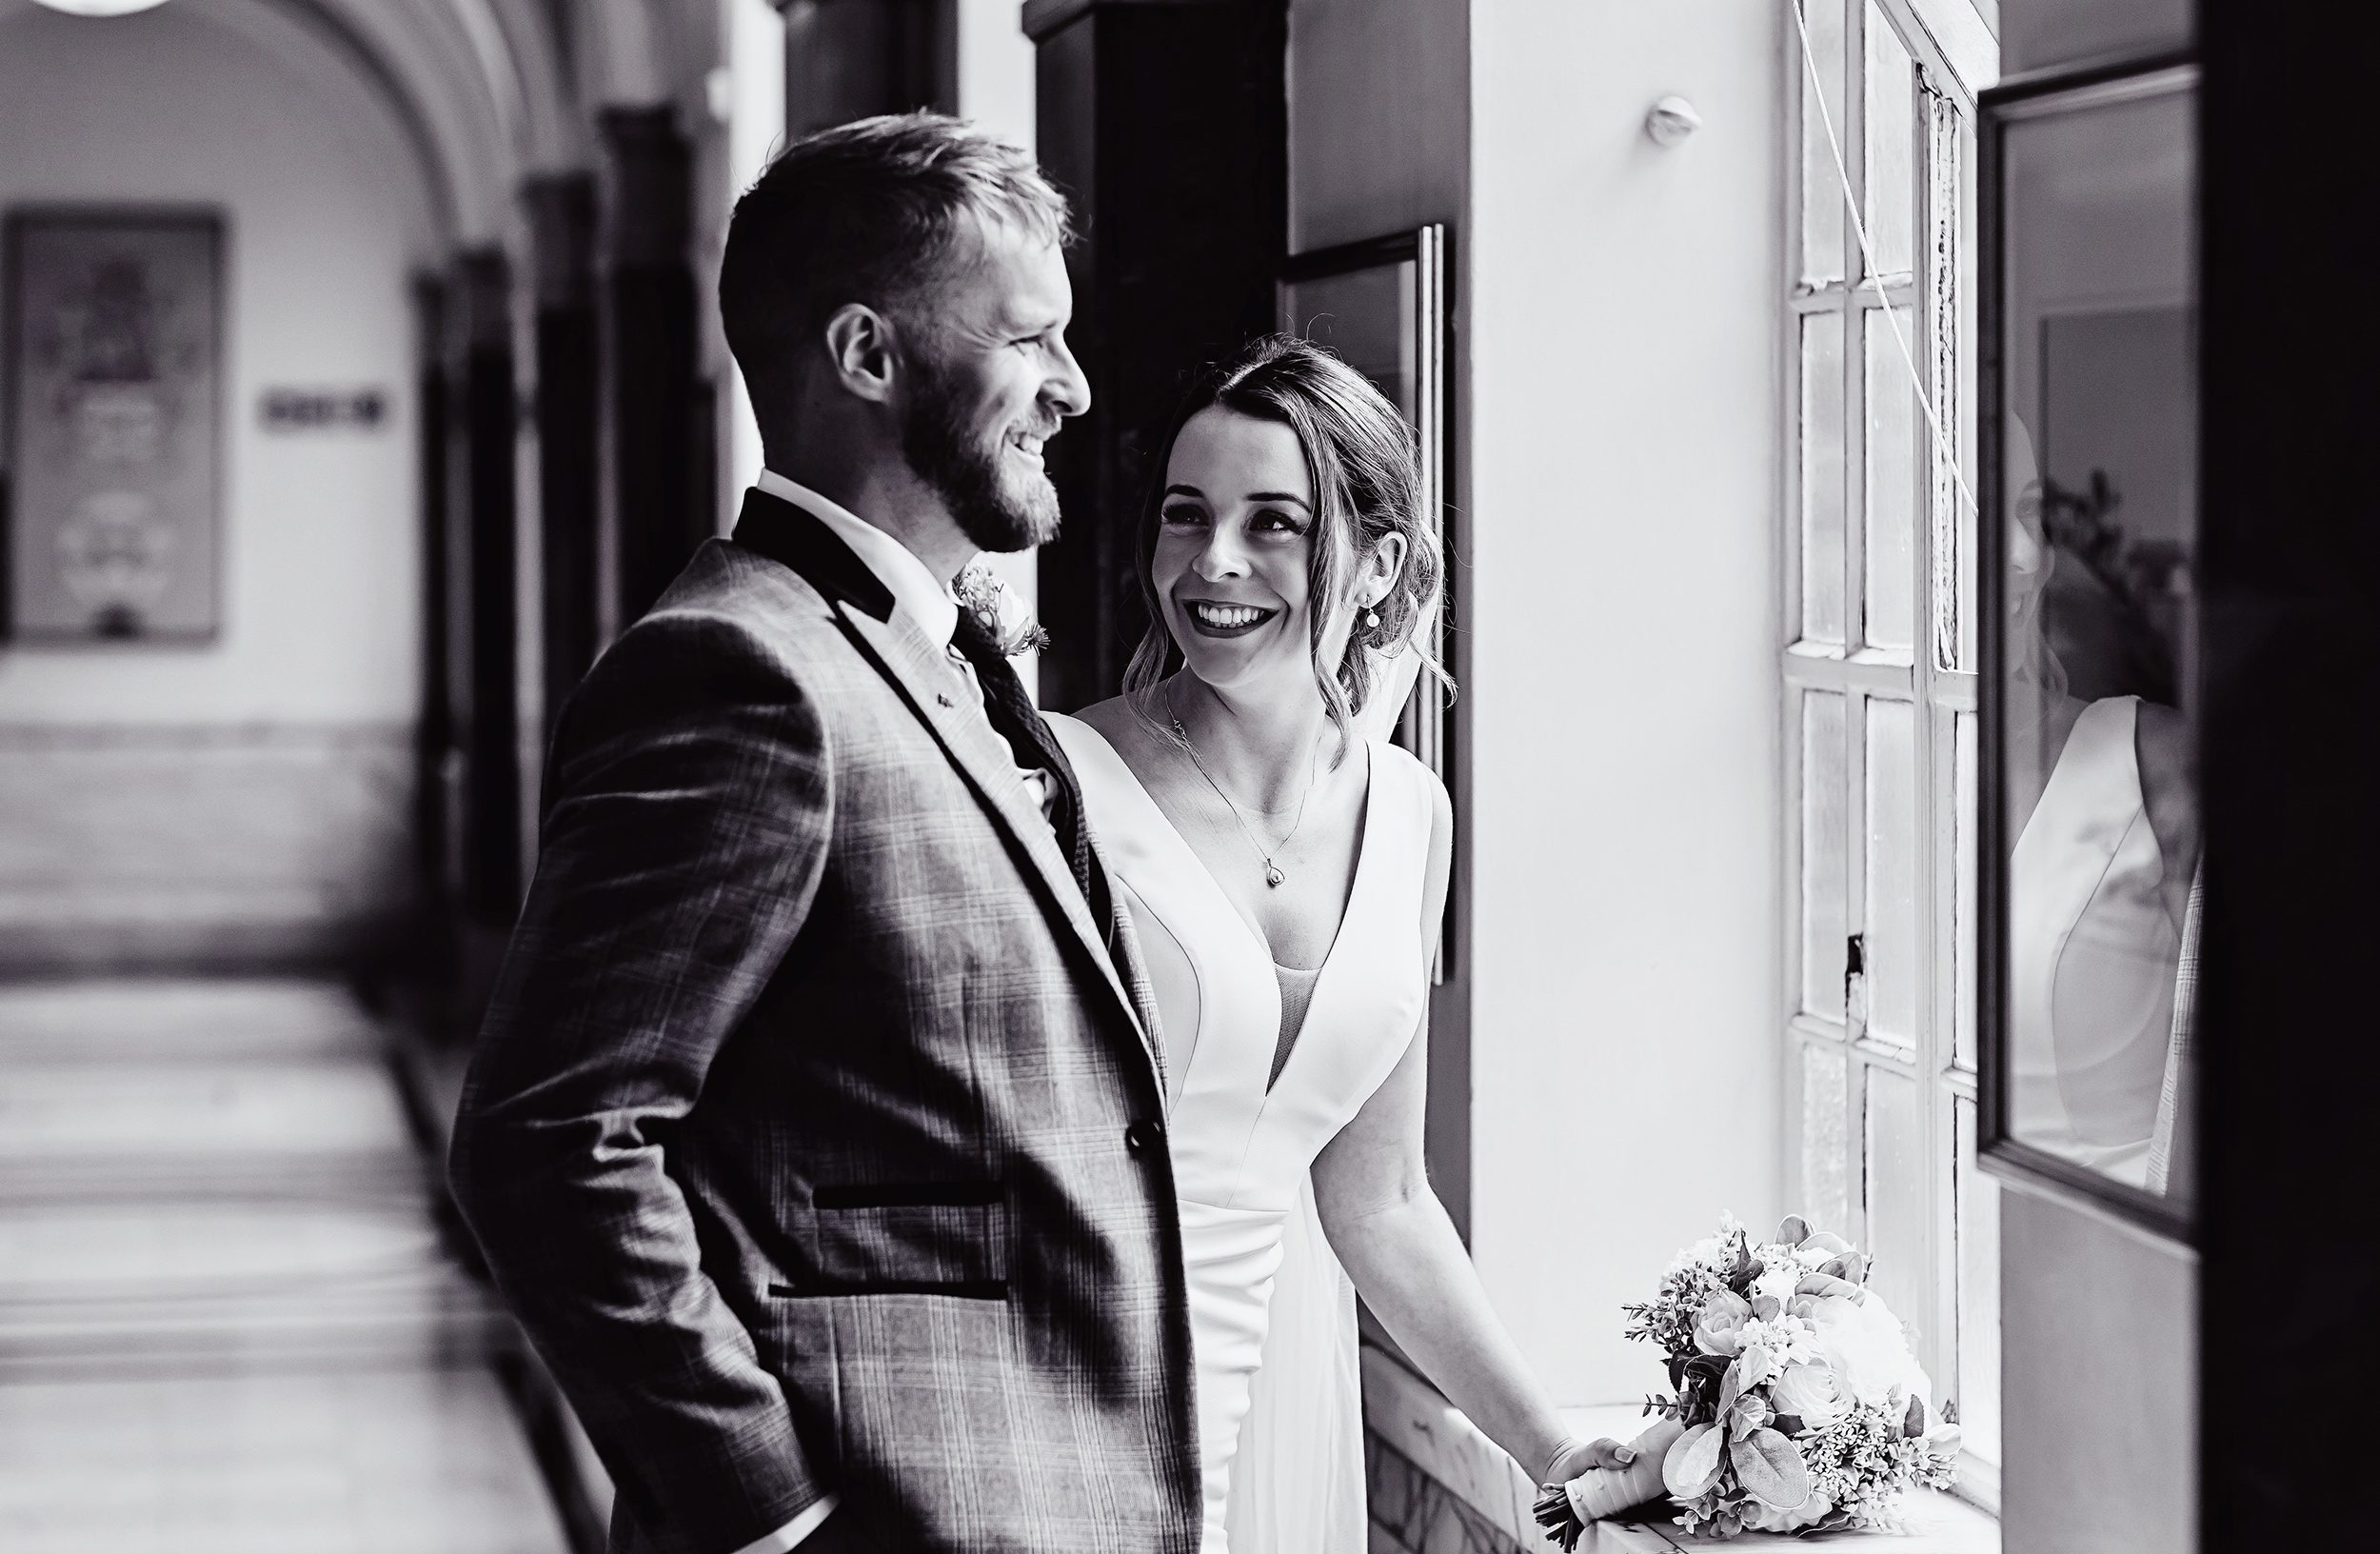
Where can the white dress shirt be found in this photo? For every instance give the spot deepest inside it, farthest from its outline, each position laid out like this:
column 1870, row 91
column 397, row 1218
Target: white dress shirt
column 926, row 600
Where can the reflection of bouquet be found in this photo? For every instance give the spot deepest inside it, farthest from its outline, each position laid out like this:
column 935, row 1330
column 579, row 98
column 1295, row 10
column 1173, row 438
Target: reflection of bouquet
column 1800, row 1408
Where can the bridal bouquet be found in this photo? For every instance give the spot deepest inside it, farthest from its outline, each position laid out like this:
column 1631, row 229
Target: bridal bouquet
column 1798, row 1405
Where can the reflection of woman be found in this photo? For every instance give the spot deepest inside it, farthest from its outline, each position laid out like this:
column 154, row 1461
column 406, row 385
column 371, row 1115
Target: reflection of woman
column 2107, row 838
column 1286, row 875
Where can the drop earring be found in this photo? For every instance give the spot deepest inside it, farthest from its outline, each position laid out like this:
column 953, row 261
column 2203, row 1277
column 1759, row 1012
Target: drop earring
column 1371, row 620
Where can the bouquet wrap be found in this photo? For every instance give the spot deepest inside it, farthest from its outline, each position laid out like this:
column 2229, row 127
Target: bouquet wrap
column 1607, row 1491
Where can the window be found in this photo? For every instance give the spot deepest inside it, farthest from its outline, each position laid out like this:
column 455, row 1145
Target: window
column 1879, row 680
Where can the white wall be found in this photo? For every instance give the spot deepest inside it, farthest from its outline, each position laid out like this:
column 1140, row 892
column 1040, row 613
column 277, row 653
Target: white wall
column 264, row 774
column 321, row 593
column 1623, row 456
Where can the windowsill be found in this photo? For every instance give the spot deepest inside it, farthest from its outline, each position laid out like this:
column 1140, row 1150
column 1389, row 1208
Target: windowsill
column 1412, row 1418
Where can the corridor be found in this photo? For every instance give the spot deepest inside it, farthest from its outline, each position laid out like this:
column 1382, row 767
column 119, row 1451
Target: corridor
column 227, row 1323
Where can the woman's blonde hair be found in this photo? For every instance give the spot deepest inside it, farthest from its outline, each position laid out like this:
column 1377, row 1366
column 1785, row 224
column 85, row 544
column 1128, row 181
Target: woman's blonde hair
column 1359, row 454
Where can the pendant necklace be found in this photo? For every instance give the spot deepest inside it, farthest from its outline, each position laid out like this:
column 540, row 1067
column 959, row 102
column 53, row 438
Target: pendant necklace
column 1273, row 875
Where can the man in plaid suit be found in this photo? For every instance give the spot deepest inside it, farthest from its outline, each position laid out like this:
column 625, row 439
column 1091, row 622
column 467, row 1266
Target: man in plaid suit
column 815, row 1132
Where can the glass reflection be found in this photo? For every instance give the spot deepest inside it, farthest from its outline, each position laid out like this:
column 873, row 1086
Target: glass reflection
column 2098, row 749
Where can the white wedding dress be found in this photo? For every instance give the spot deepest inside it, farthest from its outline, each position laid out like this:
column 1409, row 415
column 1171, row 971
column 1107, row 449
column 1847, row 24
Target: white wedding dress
column 2091, row 955
column 1272, row 1315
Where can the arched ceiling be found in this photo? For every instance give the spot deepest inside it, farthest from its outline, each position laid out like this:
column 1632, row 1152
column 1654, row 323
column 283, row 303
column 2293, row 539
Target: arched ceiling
column 361, row 102
column 459, row 74
column 488, row 93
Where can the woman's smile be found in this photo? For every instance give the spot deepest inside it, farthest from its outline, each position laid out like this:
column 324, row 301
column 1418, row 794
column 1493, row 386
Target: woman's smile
column 1216, row 618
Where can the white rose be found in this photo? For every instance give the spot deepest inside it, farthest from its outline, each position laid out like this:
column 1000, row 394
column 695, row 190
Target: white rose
column 1776, row 1280
column 1863, row 1343
column 1812, row 1393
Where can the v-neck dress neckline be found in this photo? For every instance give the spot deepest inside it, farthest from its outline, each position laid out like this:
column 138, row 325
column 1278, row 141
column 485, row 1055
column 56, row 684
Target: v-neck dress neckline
column 1220, row 1105
column 1243, row 1152
column 1255, row 932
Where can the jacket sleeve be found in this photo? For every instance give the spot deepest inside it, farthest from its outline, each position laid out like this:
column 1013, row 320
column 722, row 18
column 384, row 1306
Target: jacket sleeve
column 687, row 812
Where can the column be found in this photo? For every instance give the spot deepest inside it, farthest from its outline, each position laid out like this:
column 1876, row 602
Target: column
column 561, row 209
column 1166, row 124
column 434, row 735
column 481, row 477
column 852, row 59
column 655, row 435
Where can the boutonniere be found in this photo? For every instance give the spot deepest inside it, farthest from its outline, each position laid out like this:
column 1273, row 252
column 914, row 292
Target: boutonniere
column 997, row 611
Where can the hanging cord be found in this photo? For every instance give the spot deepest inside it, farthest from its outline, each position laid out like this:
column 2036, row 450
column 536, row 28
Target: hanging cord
column 1942, row 444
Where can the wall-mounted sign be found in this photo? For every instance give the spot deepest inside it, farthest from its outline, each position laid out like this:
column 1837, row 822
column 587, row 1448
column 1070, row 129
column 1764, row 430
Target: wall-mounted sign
column 325, row 410
column 112, row 353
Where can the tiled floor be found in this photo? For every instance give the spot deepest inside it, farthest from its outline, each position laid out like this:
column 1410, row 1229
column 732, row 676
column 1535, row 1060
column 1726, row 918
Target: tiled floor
column 227, row 1323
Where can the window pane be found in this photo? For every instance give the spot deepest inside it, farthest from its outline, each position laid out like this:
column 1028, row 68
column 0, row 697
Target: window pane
column 2102, row 332
column 1891, row 480
column 1825, row 1141
column 1891, row 932
column 1821, row 189
column 1978, row 1392
column 1896, row 1196
column 1825, row 849
column 1822, row 478
column 1944, row 296
column 1892, row 134
column 1963, row 901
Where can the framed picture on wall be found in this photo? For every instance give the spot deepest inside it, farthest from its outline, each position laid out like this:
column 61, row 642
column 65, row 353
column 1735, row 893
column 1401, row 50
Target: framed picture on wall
column 1381, row 305
column 112, row 345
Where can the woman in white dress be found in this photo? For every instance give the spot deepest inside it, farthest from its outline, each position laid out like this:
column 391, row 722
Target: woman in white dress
column 1285, row 876
column 2104, row 809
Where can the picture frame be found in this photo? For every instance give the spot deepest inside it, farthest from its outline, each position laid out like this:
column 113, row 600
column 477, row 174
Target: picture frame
column 112, row 343
column 1381, row 305
column 2031, row 333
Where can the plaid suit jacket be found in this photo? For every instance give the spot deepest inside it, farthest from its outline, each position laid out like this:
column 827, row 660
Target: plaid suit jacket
column 813, row 1130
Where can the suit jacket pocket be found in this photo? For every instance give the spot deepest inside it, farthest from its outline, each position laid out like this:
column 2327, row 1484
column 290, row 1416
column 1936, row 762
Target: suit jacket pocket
column 935, row 1237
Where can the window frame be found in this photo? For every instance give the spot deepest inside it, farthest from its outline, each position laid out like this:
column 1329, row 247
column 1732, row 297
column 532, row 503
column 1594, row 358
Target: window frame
column 1936, row 676
column 2044, row 95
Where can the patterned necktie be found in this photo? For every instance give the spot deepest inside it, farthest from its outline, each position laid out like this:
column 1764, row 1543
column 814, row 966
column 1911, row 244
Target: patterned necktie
column 1015, row 719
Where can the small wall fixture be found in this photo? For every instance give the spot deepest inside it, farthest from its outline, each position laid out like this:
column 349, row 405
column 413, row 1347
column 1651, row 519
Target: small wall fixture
column 1671, row 120
column 102, row 8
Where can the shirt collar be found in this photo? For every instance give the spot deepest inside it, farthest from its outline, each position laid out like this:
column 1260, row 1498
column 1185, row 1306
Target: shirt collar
column 925, row 599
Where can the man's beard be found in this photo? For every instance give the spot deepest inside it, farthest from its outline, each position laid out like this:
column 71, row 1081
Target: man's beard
column 994, row 509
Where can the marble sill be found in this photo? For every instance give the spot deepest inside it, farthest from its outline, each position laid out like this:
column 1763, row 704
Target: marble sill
column 1410, row 1417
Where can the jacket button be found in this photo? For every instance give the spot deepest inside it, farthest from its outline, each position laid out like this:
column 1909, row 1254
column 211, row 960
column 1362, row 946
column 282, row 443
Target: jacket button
column 1142, row 1135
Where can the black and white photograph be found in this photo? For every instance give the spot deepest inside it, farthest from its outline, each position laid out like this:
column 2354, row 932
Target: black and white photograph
column 1187, row 776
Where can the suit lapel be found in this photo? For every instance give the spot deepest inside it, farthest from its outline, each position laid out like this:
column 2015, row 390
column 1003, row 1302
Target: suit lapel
column 936, row 691
column 931, row 685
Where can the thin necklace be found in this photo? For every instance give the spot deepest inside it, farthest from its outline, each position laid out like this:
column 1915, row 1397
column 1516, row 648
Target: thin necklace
column 1273, row 875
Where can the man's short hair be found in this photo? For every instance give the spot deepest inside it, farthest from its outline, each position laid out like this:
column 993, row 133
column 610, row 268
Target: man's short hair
column 869, row 212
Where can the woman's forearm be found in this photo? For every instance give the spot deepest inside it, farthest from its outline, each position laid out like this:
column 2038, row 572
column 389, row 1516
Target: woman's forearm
column 1410, row 1270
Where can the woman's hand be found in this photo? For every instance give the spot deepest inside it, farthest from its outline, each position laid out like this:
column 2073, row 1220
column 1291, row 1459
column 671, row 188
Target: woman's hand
column 1602, row 1479
column 1574, row 1457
